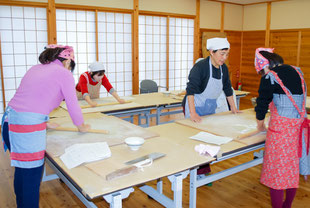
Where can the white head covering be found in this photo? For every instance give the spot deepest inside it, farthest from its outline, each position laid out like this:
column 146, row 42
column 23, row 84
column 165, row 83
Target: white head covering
column 217, row 43
column 96, row 66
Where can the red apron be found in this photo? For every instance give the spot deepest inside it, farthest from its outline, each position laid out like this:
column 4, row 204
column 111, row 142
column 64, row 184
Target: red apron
column 283, row 145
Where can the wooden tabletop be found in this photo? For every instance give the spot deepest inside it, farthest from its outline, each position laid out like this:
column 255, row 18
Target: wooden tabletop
column 239, row 93
column 91, row 177
column 229, row 125
column 308, row 102
column 137, row 101
column 173, row 141
column 118, row 130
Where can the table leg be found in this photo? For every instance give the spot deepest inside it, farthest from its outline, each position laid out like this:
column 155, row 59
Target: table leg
column 115, row 199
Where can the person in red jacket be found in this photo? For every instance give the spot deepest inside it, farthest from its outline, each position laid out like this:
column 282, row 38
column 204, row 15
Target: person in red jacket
column 89, row 84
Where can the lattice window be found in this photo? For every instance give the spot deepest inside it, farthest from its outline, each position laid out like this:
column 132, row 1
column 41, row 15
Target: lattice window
column 23, row 33
column 181, row 51
column 153, row 49
column 115, row 50
column 78, row 29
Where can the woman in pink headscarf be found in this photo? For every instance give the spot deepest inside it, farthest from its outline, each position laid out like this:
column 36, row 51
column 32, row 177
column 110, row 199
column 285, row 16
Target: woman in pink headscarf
column 24, row 122
column 282, row 89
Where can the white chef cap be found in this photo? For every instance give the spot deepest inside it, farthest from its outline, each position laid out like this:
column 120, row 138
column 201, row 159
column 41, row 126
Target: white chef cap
column 217, row 43
column 96, row 66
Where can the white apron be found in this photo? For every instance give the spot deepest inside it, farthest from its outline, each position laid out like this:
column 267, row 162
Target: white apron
column 93, row 90
column 205, row 102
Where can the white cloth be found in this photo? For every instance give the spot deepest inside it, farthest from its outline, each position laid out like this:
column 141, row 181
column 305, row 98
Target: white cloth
column 207, row 150
column 96, row 66
column 78, row 154
column 217, row 43
column 211, row 138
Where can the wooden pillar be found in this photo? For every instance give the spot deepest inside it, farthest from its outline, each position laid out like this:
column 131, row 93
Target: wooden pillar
column 135, row 48
column 197, row 31
column 222, row 16
column 167, row 53
column 51, row 22
column 268, row 19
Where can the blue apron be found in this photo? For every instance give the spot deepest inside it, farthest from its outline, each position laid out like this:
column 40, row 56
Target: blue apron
column 205, row 102
column 27, row 136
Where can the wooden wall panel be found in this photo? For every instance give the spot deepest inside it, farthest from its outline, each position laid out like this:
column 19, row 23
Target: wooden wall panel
column 285, row 44
column 249, row 78
column 200, row 39
column 304, row 61
column 234, row 38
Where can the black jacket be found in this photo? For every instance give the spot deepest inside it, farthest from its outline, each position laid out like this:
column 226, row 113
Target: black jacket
column 199, row 78
column 290, row 79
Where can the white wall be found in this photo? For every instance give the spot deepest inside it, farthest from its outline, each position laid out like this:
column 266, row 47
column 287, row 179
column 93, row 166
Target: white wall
column 255, row 17
column 210, row 15
column 170, row 6
column 233, row 15
column 290, row 14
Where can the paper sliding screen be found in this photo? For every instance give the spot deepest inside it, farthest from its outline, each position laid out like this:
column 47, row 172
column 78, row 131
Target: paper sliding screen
column 23, row 32
column 181, row 51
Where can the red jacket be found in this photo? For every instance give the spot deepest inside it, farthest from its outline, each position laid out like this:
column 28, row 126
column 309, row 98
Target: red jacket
column 82, row 85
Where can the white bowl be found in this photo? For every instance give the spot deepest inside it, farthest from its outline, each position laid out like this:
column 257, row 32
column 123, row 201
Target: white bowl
column 166, row 93
column 134, row 143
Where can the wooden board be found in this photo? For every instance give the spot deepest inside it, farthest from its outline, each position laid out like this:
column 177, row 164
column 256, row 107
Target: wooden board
column 59, row 112
column 141, row 100
column 241, row 93
column 58, row 141
column 174, row 142
column 180, row 134
column 155, row 99
column 308, row 102
column 105, row 105
column 228, row 124
column 91, row 177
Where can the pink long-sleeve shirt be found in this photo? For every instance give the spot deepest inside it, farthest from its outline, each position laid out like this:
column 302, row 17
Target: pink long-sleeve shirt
column 44, row 87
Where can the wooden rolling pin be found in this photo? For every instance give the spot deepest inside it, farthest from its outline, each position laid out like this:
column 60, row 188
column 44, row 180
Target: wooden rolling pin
column 249, row 134
column 98, row 131
column 104, row 104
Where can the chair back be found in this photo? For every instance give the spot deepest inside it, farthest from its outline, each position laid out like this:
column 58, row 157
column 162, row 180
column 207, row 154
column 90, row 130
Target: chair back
column 148, row 86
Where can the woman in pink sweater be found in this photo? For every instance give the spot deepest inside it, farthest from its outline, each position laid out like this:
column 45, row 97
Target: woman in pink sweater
column 24, row 122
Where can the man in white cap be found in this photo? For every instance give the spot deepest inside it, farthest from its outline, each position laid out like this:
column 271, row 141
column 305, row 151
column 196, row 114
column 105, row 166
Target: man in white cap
column 207, row 79
column 89, row 84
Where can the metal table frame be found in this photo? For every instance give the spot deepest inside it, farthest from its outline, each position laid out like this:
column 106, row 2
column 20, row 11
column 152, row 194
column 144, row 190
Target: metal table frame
column 115, row 198
column 194, row 183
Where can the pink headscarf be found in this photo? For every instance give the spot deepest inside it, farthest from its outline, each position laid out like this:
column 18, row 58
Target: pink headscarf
column 68, row 53
column 260, row 61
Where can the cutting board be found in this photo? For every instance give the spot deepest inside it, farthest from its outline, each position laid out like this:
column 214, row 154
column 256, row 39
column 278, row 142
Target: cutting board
column 229, row 125
column 119, row 130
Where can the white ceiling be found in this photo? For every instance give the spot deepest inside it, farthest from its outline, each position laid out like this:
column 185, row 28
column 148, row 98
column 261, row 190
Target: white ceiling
column 244, row 1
